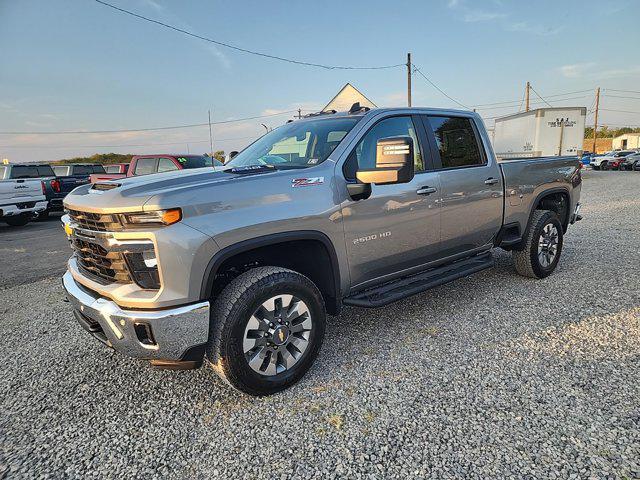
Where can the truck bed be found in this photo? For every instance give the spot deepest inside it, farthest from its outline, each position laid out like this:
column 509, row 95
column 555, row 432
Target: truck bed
column 525, row 179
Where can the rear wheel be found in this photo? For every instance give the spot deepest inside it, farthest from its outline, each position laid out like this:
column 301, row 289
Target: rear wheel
column 542, row 246
column 17, row 220
column 266, row 329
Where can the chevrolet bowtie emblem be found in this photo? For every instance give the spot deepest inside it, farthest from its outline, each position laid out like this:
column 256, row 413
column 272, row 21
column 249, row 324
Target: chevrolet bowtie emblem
column 281, row 335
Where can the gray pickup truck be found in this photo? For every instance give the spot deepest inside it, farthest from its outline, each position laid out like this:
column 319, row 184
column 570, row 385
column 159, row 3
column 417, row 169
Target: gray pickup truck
column 238, row 268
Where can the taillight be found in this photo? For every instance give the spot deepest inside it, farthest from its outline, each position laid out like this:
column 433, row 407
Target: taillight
column 55, row 184
column 44, row 190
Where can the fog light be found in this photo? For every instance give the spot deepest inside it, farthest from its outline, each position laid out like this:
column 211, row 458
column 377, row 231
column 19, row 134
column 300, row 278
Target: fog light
column 143, row 268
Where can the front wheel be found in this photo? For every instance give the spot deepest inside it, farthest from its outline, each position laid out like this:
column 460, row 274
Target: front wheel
column 542, row 246
column 595, row 167
column 17, row 220
column 266, row 329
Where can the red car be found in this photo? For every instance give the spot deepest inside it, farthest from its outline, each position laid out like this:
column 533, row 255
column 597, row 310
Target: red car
column 147, row 164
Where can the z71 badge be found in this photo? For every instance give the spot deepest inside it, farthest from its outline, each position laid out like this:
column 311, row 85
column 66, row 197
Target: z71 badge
column 307, row 182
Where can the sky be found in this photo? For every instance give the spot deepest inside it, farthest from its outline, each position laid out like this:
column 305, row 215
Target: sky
column 77, row 65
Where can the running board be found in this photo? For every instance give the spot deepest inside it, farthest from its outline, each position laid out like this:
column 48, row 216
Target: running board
column 406, row 286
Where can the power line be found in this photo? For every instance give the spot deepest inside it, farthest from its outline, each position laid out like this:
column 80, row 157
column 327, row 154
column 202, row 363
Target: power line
column 621, row 96
column 619, row 111
column 184, row 142
column 174, row 127
column 517, row 101
column 540, row 96
column 244, row 50
column 532, row 103
column 438, row 88
column 623, row 91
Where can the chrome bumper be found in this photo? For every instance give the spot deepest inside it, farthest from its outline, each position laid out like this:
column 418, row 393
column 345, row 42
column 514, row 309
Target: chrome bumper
column 167, row 334
column 13, row 209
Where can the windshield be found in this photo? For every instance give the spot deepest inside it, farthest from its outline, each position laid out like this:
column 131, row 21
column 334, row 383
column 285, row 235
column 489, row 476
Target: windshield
column 197, row 161
column 297, row 144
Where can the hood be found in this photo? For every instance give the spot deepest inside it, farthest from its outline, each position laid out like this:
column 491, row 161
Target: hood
column 132, row 193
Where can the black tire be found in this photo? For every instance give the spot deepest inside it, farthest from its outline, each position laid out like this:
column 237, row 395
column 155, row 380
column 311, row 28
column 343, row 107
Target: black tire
column 526, row 260
column 595, row 167
column 44, row 215
column 17, row 220
column 603, row 166
column 231, row 312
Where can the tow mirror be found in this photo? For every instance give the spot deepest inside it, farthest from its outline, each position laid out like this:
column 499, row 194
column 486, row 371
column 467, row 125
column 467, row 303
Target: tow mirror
column 394, row 162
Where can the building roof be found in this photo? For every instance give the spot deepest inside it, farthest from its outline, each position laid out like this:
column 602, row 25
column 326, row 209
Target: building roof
column 346, row 97
column 637, row 134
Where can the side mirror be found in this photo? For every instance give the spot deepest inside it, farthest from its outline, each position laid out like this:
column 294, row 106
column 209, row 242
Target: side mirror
column 232, row 154
column 394, row 162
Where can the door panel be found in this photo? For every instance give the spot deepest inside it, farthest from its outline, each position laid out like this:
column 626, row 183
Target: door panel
column 471, row 204
column 471, row 210
column 396, row 227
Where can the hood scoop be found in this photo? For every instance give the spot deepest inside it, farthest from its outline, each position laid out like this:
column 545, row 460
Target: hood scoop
column 104, row 186
column 250, row 169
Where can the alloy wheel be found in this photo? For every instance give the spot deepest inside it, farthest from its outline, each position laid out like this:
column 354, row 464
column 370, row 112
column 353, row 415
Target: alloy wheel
column 548, row 245
column 277, row 334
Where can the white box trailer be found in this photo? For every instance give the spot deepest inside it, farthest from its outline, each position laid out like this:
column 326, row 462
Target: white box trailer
column 540, row 133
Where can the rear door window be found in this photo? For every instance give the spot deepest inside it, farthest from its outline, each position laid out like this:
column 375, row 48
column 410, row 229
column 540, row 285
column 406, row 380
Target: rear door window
column 456, row 141
column 145, row 166
column 166, row 165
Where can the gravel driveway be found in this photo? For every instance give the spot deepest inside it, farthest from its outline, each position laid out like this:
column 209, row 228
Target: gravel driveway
column 491, row 376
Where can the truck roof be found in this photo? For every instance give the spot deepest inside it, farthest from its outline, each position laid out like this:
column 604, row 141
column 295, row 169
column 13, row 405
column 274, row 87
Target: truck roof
column 375, row 111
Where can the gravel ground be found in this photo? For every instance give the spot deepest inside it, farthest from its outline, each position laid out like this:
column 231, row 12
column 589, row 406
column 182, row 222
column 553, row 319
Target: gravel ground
column 493, row 376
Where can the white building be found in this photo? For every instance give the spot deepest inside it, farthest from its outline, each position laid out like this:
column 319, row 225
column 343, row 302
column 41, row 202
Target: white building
column 626, row 141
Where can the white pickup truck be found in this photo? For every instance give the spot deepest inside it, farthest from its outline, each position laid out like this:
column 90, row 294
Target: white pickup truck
column 21, row 200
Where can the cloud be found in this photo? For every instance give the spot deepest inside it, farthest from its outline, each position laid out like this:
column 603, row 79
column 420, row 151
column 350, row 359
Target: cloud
column 163, row 14
column 575, row 70
column 469, row 14
column 540, row 30
column 590, row 70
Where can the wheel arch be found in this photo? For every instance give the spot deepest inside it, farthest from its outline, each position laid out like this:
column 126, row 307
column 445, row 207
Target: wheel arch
column 308, row 252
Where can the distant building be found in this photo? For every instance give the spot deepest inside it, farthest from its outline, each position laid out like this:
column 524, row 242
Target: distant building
column 626, row 141
column 346, row 97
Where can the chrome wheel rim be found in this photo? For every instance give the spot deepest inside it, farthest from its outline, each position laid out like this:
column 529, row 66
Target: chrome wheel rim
column 548, row 245
column 277, row 335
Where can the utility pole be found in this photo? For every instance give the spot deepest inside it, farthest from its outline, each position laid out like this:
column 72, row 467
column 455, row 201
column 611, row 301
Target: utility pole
column 210, row 135
column 408, row 79
column 299, row 114
column 526, row 97
column 595, row 120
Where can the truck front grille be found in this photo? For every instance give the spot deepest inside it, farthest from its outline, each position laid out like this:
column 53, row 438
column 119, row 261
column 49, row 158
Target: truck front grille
column 97, row 263
column 96, row 222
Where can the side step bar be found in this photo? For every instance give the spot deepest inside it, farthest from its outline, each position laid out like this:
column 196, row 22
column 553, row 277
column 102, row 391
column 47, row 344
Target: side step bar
column 406, row 286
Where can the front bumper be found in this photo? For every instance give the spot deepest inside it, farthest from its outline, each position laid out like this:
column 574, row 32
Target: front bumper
column 19, row 209
column 173, row 334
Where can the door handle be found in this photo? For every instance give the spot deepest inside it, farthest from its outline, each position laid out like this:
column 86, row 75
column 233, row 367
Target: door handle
column 491, row 181
column 426, row 190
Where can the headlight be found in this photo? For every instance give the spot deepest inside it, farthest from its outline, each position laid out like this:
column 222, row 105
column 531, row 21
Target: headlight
column 156, row 217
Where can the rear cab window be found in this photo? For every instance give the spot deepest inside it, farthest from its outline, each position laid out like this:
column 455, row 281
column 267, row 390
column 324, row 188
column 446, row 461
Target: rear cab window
column 145, row 166
column 45, row 171
column 24, row 171
column 82, row 170
column 3, row 171
column 61, row 171
column 456, row 141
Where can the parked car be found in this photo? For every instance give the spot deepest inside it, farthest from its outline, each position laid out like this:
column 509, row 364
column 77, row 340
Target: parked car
column 55, row 189
column 636, row 166
column 611, row 160
column 629, row 161
column 238, row 267
column 147, row 164
column 20, row 199
column 586, row 158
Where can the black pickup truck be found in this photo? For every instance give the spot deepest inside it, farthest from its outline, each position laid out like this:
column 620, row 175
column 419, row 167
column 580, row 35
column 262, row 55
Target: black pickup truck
column 57, row 186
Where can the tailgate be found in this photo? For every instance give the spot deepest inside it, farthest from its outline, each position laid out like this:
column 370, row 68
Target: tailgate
column 69, row 183
column 13, row 190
